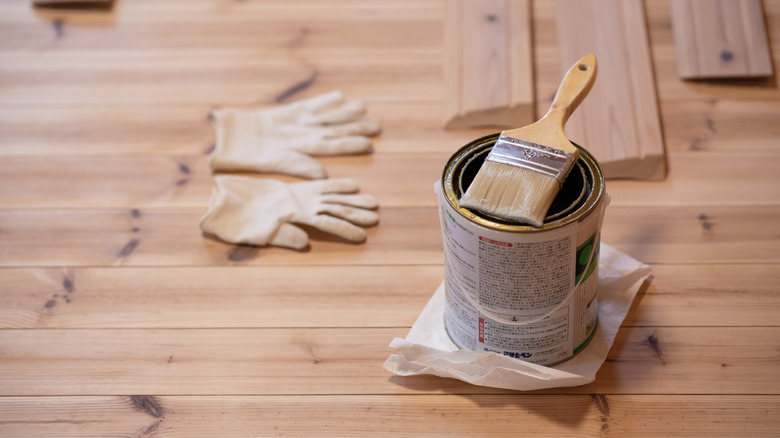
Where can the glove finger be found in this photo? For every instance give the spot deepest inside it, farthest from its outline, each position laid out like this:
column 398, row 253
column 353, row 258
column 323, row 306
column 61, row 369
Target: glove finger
column 360, row 201
column 290, row 236
column 337, row 227
column 286, row 161
column 336, row 185
column 294, row 163
column 357, row 216
column 336, row 146
column 347, row 112
column 364, row 126
column 321, row 102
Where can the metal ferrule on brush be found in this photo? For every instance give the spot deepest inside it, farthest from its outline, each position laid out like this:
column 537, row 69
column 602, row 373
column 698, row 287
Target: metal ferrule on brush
column 538, row 158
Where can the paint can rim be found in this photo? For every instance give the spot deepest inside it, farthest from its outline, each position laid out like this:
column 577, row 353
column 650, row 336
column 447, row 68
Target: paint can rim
column 593, row 190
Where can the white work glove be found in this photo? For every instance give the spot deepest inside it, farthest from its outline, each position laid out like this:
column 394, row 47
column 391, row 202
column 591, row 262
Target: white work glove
column 282, row 139
column 261, row 211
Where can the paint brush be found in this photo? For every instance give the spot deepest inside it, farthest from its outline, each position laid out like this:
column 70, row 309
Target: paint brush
column 527, row 166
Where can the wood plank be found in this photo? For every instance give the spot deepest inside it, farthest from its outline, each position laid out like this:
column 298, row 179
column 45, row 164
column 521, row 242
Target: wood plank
column 339, row 296
column 59, row 182
column 156, row 5
column 87, row 4
column 708, row 295
column 186, row 181
column 220, row 79
column 324, row 29
column 47, row 130
column 282, row 296
column 659, row 14
column 547, row 68
column 665, row 62
column 737, row 126
column 717, row 125
column 707, row 179
column 619, row 120
column 716, row 39
column 671, row 235
column 408, row 128
column 643, row 360
column 397, row 180
column 111, row 290
column 361, row 416
column 546, row 65
column 173, row 238
column 669, row 87
column 488, row 64
column 404, row 236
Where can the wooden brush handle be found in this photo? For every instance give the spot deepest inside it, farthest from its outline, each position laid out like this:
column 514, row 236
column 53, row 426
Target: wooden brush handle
column 573, row 89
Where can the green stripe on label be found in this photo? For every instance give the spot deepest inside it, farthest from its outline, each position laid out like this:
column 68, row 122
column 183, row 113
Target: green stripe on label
column 586, row 341
column 587, row 252
column 451, row 218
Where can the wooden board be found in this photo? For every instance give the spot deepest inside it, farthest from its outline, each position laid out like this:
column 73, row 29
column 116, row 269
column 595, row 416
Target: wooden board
column 119, row 318
column 185, row 181
column 184, row 130
column 681, row 295
column 98, row 4
column 293, row 361
column 170, row 237
column 398, row 415
column 720, row 38
column 699, row 125
column 618, row 121
column 488, row 64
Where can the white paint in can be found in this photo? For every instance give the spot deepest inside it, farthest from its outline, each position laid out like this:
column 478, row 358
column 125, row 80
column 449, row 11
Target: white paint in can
column 520, row 291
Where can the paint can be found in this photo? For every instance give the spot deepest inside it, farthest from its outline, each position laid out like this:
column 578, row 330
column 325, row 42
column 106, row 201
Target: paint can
column 516, row 290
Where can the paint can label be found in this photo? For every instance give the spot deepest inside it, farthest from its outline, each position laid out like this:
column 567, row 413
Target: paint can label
column 530, row 296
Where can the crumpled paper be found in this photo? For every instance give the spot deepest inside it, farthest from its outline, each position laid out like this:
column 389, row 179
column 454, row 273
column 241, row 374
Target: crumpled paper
column 427, row 349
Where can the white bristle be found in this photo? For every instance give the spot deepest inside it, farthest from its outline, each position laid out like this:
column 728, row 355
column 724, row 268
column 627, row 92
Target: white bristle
column 511, row 193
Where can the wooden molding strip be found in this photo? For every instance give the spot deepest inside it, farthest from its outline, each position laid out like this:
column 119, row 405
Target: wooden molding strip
column 720, row 38
column 488, row 64
column 619, row 121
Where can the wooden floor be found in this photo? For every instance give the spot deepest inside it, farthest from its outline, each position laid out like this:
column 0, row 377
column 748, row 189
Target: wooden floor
column 119, row 318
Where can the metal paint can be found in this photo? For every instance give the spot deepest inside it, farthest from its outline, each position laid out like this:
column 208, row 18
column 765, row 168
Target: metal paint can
column 516, row 290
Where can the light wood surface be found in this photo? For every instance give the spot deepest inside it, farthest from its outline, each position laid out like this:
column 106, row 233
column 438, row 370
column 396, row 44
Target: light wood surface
column 488, row 64
column 720, row 39
column 619, row 121
column 119, row 318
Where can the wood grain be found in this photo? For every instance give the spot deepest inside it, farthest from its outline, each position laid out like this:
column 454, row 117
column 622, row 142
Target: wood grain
column 670, row 88
column 685, row 295
column 643, row 360
column 666, row 235
column 716, row 39
column 619, row 121
column 221, row 25
column 359, row 416
column 224, row 80
column 736, row 126
column 396, row 180
column 119, row 318
column 488, row 64
column 173, row 238
column 282, row 296
column 408, row 128
column 708, row 295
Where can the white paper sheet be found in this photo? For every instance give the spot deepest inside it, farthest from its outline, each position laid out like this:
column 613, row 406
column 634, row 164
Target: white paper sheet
column 427, row 349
